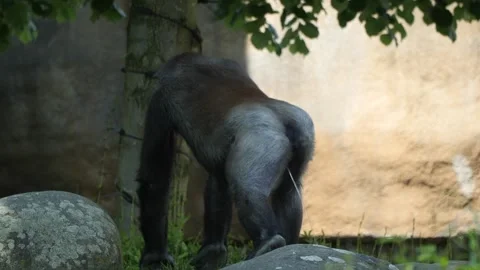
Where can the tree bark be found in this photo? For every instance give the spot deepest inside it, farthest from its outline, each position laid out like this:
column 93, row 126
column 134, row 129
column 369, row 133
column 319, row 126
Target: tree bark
column 157, row 30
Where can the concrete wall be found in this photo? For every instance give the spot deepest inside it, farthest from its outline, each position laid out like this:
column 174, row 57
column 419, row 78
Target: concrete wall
column 398, row 140
column 57, row 102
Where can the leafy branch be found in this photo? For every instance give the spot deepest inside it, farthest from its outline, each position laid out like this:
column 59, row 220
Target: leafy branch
column 384, row 19
column 17, row 17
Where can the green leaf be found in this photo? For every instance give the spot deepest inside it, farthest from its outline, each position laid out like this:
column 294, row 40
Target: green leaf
column 101, row 5
column 260, row 39
column 309, row 30
column 65, row 12
column 459, row 12
column 222, row 9
column 426, row 253
column 292, row 48
column 288, row 37
column 283, row 17
column 386, row 4
column 474, row 9
column 407, row 12
column 340, row 5
column 345, row 16
column 386, row 39
column 357, row 5
column 317, row 6
column 270, row 47
column 300, row 13
column 369, row 10
column 236, row 19
column 408, row 6
column 374, row 26
column 275, row 47
column 290, row 3
column 254, row 26
column 408, row 17
column 17, row 16
column 42, row 8
column 29, row 34
column 259, row 11
column 400, row 29
column 443, row 261
column 300, row 46
column 278, row 49
column 424, row 5
column 114, row 13
column 449, row 31
column 441, row 16
column 427, row 19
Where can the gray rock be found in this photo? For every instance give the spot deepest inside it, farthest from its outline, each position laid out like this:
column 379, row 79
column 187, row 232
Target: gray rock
column 306, row 257
column 434, row 266
column 56, row 230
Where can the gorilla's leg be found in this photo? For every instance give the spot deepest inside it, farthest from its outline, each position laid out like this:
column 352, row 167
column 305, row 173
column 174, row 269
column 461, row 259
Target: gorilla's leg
column 287, row 205
column 255, row 163
column 217, row 219
column 287, row 199
column 153, row 190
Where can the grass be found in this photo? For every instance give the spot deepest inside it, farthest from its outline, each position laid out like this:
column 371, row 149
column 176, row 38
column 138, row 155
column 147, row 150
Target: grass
column 397, row 250
column 181, row 250
column 394, row 249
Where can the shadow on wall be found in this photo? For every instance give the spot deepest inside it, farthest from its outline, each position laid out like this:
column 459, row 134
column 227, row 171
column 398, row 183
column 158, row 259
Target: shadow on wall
column 57, row 102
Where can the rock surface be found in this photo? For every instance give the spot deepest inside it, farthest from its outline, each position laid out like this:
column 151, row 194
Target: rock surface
column 56, row 230
column 310, row 257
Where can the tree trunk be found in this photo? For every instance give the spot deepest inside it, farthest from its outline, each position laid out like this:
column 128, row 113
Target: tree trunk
column 157, row 31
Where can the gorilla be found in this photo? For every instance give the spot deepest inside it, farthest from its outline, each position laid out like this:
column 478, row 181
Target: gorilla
column 255, row 149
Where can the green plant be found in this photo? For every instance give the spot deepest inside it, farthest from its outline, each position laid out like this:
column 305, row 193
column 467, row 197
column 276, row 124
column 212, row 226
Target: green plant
column 18, row 17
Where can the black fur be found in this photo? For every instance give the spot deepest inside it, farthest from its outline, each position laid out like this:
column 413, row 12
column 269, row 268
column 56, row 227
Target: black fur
column 244, row 139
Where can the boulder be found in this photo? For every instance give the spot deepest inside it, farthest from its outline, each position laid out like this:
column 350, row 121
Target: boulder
column 56, row 230
column 309, row 257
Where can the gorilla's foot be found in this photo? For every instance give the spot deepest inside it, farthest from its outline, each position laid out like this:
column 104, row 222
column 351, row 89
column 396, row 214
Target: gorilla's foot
column 210, row 257
column 275, row 242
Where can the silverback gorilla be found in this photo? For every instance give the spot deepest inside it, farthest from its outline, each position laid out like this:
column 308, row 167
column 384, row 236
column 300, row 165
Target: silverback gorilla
column 255, row 149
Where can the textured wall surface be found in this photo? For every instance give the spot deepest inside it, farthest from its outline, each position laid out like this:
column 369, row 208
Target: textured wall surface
column 398, row 140
column 57, row 101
